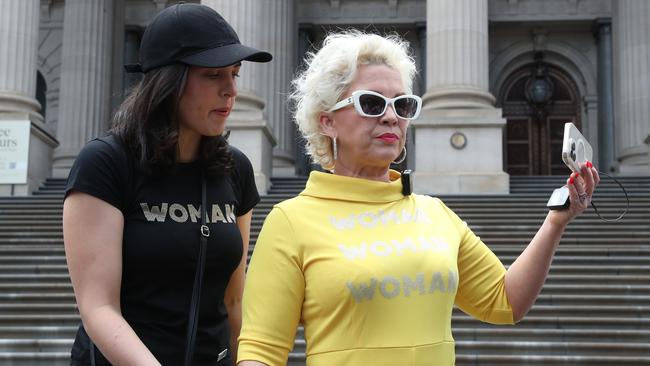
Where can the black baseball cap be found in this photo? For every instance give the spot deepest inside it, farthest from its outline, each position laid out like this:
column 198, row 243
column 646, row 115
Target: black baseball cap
column 192, row 34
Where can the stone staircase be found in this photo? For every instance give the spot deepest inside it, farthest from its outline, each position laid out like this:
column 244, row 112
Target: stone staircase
column 593, row 310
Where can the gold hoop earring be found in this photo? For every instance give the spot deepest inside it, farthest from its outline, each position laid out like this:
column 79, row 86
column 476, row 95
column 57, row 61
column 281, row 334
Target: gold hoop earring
column 403, row 156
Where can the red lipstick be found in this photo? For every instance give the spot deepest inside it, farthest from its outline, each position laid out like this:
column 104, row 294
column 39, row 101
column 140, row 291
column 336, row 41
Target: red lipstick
column 388, row 137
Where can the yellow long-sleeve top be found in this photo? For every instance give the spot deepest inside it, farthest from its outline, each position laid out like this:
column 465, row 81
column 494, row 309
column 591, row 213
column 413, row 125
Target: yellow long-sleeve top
column 372, row 274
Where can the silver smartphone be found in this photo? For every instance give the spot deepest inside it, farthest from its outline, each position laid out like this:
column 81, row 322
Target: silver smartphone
column 576, row 150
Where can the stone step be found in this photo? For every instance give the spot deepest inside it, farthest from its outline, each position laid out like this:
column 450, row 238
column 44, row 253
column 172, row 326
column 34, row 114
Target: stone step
column 553, row 348
column 562, row 262
column 506, row 213
column 51, row 195
column 593, row 311
column 548, row 311
column 41, row 332
column 298, row 359
column 47, row 240
column 544, row 360
column 604, row 289
column 30, row 199
column 590, row 299
column 34, row 260
column 71, row 319
column 40, row 287
column 57, row 235
column 34, row 268
column 34, row 278
column 33, row 219
column 536, row 220
column 544, row 299
column 23, row 298
column 533, row 196
column 36, row 345
column 487, row 210
column 507, row 334
column 570, row 279
column 15, row 226
column 15, row 223
column 47, row 309
column 8, row 206
column 33, row 224
column 556, row 321
column 36, row 250
column 35, row 358
column 583, row 235
column 544, row 348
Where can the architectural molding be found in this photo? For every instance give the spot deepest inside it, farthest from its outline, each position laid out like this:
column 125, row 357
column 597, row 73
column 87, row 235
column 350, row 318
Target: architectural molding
column 46, row 7
column 560, row 54
column 548, row 10
column 361, row 12
column 160, row 4
column 540, row 38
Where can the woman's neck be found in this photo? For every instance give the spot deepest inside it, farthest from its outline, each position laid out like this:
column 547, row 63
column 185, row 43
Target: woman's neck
column 188, row 145
column 367, row 172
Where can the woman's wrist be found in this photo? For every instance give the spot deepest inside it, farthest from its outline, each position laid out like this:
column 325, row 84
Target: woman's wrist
column 556, row 220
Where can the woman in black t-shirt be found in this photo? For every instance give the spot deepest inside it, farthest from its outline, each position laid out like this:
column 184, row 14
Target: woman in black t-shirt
column 133, row 206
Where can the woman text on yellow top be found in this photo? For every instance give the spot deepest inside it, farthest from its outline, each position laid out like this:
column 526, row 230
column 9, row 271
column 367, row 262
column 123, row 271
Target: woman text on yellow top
column 373, row 274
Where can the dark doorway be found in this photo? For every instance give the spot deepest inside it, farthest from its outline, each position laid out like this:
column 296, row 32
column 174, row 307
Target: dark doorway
column 536, row 101
column 41, row 93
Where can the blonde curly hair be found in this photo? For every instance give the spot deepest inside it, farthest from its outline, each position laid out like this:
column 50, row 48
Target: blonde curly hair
column 328, row 73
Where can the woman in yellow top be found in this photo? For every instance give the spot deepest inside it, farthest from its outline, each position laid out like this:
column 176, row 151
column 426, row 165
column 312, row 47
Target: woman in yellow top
column 373, row 274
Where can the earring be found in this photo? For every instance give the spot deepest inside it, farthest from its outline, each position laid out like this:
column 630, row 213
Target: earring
column 334, row 149
column 403, row 156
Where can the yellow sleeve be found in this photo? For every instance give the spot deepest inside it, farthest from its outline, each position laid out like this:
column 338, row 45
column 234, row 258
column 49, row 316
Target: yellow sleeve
column 273, row 294
column 481, row 288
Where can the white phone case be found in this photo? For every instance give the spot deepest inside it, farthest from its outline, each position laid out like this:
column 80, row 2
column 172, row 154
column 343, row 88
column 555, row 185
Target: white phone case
column 575, row 148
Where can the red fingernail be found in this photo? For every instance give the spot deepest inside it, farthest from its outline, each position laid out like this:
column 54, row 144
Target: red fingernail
column 589, row 164
column 577, row 174
column 571, row 180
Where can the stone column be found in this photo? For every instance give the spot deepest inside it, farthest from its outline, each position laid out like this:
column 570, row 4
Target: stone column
column 252, row 128
column 85, row 95
column 117, row 62
column 458, row 106
column 632, row 99
column 303, row 165
column 605, row 152
column 282, row 42
column 19, row 25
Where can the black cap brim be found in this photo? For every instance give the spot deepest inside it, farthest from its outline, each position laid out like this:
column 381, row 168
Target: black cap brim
column 226, row 55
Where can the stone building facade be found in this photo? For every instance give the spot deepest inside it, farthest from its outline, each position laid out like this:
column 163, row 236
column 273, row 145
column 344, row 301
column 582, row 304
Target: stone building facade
column 499, row 78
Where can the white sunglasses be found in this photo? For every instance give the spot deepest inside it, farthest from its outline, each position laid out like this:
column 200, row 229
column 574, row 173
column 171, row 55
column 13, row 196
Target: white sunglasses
column 371, row 104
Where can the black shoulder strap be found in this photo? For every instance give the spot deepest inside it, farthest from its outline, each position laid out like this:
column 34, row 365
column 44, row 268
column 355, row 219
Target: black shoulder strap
column 193, row 321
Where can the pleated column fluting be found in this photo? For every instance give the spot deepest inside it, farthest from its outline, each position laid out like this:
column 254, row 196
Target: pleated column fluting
column 632, row 83
column 85, row 77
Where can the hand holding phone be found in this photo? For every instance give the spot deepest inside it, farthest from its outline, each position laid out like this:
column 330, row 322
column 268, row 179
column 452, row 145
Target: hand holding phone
column 576, row 150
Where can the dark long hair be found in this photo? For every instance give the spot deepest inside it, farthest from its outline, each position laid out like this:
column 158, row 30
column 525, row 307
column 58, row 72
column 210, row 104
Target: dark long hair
column 147, row 123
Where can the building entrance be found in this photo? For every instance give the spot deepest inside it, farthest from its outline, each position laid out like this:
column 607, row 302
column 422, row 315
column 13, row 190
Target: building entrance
column 536, row 101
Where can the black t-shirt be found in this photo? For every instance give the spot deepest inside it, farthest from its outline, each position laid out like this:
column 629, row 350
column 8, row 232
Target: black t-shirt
column 160, row 246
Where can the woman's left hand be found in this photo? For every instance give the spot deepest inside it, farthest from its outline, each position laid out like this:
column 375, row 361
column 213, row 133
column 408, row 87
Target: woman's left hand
column 581, row 188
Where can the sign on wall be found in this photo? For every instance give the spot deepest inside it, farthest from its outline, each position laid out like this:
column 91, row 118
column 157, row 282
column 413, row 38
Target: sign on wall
column 14, row 151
